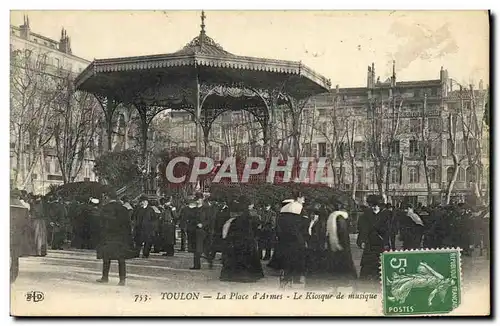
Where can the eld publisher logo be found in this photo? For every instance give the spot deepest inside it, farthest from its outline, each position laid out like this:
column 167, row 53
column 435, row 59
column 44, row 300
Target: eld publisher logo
column 34, row 296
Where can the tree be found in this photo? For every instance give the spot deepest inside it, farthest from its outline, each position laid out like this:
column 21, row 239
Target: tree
column 32, row 95
column 425, row 136
column 118, row 168
column 452, row 147
column 334, row 131
column 473, row 135
column 75, row 126
column 351, row 126
column 382, row 134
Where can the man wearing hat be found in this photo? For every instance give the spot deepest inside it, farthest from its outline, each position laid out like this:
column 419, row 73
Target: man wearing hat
column 373, row 237
column 197, row 229
column 145, row 218
column 115, row 241
column 267, row 232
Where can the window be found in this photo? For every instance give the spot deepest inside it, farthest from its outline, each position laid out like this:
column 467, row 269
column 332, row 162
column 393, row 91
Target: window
column 56, row 62
column 459, row 147
column 470, row 174
column 48, row 165
column 57, row 167
column 413, row 175
column 395, row 176
column 359, row 175
column 371, row 177
column 359, row 149
column 360, row 128
column 341, row 150
column 415, row 125
column 433, row 175
column 322, row 149
column 307, row 149
column 434, row 124
column 461, row 175
column 35, row 40
column 434, row 148
column 338, row 176
column 414, row 147
column 217, row 152
column 434, row 91
column 323, row 128
column 395, row 148
column 449, row 174
column 224, row 151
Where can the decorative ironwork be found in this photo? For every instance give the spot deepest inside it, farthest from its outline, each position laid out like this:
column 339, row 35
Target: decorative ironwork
column 203, row 39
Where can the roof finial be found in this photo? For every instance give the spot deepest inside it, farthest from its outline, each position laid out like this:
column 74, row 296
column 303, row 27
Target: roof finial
column 202, row 22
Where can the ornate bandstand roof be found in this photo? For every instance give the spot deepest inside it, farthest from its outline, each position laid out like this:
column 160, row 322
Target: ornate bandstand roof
column 153, row 78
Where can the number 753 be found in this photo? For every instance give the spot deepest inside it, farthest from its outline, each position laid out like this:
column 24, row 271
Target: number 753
column 142, row 298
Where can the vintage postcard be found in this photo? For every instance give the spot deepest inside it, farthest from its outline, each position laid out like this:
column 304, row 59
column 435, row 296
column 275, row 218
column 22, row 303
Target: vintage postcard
column 249, row 163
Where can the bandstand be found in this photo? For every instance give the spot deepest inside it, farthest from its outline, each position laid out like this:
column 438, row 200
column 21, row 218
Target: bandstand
column 205, row 80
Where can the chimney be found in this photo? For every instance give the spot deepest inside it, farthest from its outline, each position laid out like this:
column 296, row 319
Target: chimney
column 25, row 28
column 481, row 86
column 373, row 73
column 443, row 76
column 64, row 42
column 393, row 78
column 369, row 78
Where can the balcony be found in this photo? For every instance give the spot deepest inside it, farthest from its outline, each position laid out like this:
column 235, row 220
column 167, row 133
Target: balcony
column 53, row 177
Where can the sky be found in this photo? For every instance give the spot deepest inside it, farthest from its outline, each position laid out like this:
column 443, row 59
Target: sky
column 337, row 44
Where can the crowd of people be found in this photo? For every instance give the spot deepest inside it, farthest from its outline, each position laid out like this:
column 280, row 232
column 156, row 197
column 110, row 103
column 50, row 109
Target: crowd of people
column 303, row 240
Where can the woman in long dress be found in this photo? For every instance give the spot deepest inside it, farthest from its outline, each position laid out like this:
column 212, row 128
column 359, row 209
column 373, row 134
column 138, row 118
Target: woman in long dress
column 241, row 261
column 39, row 214
column 339, row 247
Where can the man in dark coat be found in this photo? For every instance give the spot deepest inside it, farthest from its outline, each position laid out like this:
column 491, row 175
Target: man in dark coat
column 373, row 237
column 241, row 261
column 393, row 225
column 115, row 238
column 145, row 218
column 198, row 226
column 21, row 234
column 267, row 232
column 167, row 226
column 182, row 219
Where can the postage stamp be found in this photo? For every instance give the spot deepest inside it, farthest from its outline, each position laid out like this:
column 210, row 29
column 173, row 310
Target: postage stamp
column 421, row 282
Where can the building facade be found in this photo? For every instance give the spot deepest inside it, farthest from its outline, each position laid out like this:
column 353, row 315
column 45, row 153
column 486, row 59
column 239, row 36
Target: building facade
column 391, row 124
column 405, row 125
column 43, row 56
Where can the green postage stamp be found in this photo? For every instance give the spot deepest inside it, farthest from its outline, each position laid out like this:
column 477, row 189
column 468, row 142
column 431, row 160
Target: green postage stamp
column 421, row 282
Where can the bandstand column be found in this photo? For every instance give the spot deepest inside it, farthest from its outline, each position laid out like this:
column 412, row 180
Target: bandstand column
column 198, row 115
column 206, row 133
column 108, row 105
column 142, row 109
